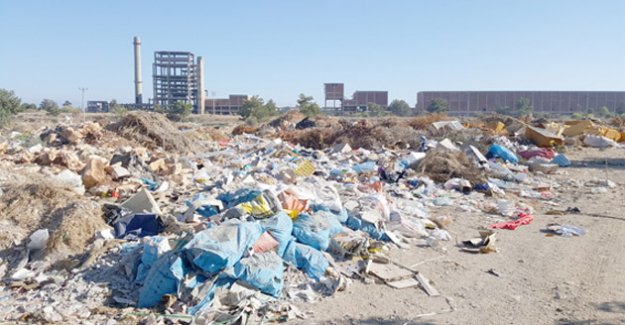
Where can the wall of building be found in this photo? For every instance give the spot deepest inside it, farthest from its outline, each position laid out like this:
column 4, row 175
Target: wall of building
column 552, row 102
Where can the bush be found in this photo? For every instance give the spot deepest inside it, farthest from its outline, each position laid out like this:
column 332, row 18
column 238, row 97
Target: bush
column 255, row 107
column 9, row 105
column 307, row 106
column 179, row 110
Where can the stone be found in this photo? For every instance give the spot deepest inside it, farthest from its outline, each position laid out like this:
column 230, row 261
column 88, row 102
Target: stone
column 94, row 173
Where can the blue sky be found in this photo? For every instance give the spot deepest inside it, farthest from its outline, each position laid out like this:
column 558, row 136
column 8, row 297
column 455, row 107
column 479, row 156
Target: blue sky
column 278, row 49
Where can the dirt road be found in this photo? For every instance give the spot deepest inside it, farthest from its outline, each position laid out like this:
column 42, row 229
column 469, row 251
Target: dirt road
column 542, row 279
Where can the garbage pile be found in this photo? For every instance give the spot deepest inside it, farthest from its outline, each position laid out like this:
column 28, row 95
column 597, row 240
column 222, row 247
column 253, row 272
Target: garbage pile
column 139, row 220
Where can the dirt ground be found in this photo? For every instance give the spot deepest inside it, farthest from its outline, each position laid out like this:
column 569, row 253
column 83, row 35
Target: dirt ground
column 542, row 279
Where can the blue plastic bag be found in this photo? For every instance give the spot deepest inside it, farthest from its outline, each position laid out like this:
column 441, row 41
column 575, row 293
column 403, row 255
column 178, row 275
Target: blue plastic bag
column 139, row 225
column 369, row 166
column 312, row 231
column 280, row 228
column 561, row 160
column 340, row 215
column 153, row 249
column 307, row 259
column 263, row 271
column 165, row 277
column 497, row 151
column 216, row 248
column 357, row 224
column 243, row 195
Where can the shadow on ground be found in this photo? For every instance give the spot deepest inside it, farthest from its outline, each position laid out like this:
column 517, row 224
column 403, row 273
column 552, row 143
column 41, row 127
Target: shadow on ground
column 613, row 163
column 381, row 321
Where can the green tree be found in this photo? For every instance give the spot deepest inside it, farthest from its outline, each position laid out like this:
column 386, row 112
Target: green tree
column 115, row 108
column 524, row 106
column 307, row 106
column 438, row 105
column 255, row 108
column 28, row 107
column 604, row 112
column 67, row 103
column 50, row 106
column 375, row 109
column 9, row 105
column 400, row 108
column 179, row 110
column 504, row 110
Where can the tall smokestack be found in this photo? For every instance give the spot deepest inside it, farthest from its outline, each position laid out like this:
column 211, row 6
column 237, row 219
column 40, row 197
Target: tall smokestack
column 200, row 85
column 138, row 84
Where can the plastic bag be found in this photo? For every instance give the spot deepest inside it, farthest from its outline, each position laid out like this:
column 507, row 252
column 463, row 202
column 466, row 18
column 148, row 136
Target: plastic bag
column 153, row 248
column 497, row 151
column 164, row 277
column 280, row 228
column 216, row 248
column 263, row 271
column 307, row 259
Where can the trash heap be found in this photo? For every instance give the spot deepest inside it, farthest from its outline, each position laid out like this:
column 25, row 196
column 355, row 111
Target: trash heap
column 192, row 225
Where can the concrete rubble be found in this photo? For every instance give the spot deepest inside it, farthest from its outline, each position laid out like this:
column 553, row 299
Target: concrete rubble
column 169, row 226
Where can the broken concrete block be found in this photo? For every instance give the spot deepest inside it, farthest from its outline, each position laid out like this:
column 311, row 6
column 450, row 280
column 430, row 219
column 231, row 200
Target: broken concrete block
column 142, row 201
column 94, row 173
column 158, row 166
column 117, row 171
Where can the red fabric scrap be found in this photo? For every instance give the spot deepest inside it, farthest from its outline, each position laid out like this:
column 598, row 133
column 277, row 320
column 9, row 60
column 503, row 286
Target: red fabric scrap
column 523, row 219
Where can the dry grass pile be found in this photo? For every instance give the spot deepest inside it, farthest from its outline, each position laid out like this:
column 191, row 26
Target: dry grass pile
column 152, row 130
column 368, row 134
column 37, row 203
column 423, row 122
column 441, row 165
column 244, row 128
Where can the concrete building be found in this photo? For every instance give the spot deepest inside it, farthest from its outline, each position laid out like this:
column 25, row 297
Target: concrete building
column 97, row 106
column 358, row 103
column 225, row 106
column 177, row 77
column 549, row 102
column 361, row 99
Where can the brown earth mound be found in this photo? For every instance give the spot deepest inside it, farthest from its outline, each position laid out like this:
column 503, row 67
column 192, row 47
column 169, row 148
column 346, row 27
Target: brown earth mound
column 37, row 203
column 152, row 130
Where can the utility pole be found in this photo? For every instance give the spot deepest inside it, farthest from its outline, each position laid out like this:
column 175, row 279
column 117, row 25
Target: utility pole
column 82, row 103
column 213, row 95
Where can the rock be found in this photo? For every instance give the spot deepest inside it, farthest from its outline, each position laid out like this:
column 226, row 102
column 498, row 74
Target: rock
column 158, row 166
column 50, row 315
column 71, row 160
column 94, row 173
column 70, row 135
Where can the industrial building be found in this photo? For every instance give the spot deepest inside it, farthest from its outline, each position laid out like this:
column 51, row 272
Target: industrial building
column 334, row 92
column 177, row 77
column 97, row 106
column 225, row 106
column 549, row 102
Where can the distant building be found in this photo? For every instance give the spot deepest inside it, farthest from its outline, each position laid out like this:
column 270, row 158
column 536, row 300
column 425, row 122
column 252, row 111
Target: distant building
column 97, row 106
column 225, row 106
column 550, row 102
column 334, row 92
column 177, row 77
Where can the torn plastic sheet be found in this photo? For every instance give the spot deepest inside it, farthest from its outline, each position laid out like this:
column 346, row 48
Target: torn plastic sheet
column 216, row 248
